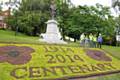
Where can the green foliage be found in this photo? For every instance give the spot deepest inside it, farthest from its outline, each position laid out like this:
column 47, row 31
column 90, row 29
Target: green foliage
column 31, row 16
column 77, row 20
column 116, row 3
column 0, row 8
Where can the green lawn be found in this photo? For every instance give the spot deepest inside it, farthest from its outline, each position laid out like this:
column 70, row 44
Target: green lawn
column 9, row 36
column 114, row 51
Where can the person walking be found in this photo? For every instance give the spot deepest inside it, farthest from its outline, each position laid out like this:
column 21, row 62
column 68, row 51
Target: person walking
column 91, row 40
column 82, row 40
column 87, row 41
column 100, row 40
column 94, row 41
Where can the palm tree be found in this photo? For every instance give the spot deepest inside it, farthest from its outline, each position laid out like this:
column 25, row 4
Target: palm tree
column 1, row 6
column 116, row 5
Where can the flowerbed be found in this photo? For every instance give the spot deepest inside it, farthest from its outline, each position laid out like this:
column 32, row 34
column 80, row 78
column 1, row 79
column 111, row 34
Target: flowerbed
column 46, row 62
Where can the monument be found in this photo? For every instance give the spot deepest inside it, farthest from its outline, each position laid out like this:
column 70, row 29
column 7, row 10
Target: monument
column 52, row 34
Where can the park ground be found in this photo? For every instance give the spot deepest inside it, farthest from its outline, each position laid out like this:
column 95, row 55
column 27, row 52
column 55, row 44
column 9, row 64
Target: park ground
column 10, row 37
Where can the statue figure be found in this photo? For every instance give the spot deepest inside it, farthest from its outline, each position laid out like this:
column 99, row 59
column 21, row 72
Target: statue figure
column 52, row 34
column 53, row 9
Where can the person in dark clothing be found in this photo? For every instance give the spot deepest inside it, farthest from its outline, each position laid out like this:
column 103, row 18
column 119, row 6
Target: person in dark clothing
column 99, row 40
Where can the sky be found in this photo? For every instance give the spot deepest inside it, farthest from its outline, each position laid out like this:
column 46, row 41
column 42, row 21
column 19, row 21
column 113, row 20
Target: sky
column 87, row 2
column 91, row 2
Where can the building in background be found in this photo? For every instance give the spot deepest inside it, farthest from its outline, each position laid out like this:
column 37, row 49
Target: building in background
column 3, row 15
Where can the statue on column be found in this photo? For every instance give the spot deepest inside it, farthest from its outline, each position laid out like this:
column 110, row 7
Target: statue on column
column 53, row 9
column 52, row 34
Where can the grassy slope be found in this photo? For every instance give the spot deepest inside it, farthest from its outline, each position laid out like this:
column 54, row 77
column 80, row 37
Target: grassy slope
column 114, row 51
column 9, row 36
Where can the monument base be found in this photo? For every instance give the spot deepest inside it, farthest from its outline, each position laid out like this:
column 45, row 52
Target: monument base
column 52, row 35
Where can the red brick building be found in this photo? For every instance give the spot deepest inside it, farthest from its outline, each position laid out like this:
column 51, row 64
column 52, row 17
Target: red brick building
column 3, row 15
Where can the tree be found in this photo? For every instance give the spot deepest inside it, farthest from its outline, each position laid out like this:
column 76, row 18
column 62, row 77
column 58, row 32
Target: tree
column 63, row 12
column 116, row 6
column 88, row 20
column 1, row 6
column 31, row 16
column 116, row 3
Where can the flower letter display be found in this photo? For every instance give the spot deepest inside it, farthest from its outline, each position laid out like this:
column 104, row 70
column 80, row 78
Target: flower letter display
column 54, row 62
column 15, row 55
